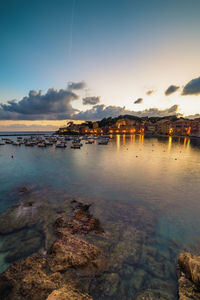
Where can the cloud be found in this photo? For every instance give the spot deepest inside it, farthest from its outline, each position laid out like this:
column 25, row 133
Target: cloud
column 171, row 89
column 138, row 101
column 57, row 105
column 150, row 92
column 98, row 112
column 91, row 100
column 193, row 116
column 192, row 87
column 76, row 85
column 36, row 105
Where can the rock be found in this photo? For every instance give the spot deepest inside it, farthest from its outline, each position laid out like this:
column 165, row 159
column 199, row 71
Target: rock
column 82, row 221
column 26, row 279
column 30, row 279
column 150, row 295
column 71, row 251
column 189, row 276
column 18, row 217
column 138, row 278
column 24, row 189
column 66, row 293
column 106, row 285
column 29, row 247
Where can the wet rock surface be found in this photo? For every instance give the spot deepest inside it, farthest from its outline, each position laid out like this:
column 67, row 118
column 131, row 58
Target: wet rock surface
column 189, row 276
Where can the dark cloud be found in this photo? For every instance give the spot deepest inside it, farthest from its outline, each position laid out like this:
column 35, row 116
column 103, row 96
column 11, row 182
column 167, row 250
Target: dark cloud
column 98, row 112
column 171, row 89
column 150, row 92
column 138, row 101
column 76, row 85
column 57, row 105
column 192, row 87
column 91, row 100
column 39, row 106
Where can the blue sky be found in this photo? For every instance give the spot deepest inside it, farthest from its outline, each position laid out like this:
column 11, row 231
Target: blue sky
column 121, row 49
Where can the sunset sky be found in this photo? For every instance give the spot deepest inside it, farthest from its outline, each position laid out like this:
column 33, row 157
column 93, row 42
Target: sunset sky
column 88, row 59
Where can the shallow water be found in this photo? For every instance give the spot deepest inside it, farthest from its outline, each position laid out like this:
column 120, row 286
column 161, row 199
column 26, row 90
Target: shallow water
column 145, row 191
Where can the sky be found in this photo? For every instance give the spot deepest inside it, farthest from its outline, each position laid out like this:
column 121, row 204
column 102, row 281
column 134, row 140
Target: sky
column 89, row 59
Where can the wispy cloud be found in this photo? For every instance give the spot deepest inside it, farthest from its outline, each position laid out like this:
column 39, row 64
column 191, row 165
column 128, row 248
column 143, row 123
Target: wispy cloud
column 150, row 92
column 76, row 85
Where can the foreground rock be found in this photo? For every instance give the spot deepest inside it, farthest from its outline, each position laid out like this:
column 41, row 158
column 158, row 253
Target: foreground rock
column 70, row 251
column 66, row 293
column 82, row 221
column 47, row 276
column 28, row 279
column 189, row 276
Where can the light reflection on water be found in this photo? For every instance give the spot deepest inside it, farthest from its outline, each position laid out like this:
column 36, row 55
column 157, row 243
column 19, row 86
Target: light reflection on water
column 161, row 175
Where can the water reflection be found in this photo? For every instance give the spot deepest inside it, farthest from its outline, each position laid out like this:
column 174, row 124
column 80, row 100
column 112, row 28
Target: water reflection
column 147, row 201
column 118, row 141
column 169, row 143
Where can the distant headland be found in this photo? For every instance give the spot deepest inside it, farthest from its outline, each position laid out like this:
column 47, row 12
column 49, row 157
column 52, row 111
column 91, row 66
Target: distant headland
column 128, row 124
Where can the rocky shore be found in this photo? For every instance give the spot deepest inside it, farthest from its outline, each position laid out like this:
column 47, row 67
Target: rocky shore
column 60, row 250
column 42, row 276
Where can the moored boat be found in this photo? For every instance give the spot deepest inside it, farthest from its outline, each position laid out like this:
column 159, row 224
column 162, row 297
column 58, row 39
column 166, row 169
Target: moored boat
column 60, row 145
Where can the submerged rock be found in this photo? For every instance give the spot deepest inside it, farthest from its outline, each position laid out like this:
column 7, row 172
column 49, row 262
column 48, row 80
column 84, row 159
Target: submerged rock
column 71, row 251
column 82, row 221
column 29, row 279
column 189, row 276
column 67, row 293
column 40, row 277
column 26, row 279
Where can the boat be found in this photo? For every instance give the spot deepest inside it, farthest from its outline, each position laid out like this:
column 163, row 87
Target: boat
column 42, row 145
column 60, row 145
column 76, row 145
column 2, row 143
column 16, row 144
column 90, row 142
column 8, row 141
column 103, row 142
column 48, row 143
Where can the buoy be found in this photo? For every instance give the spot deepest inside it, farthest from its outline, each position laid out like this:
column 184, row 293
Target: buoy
column 12, row 156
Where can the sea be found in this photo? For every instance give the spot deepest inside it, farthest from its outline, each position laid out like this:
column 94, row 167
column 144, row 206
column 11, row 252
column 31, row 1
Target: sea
column 144, row 190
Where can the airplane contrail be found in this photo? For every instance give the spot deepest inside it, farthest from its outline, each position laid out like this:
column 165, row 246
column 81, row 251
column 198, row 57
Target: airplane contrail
column 71, row 29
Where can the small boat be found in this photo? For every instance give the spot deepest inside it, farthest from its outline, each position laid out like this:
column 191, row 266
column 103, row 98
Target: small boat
column 2, row 143
column 48, row 143
column 60, row 145
column 76, row 146
column 28, row 144
column 16, row 144
column 103, row 142
column 42, row 145
column 8, row 141
column 90, row 142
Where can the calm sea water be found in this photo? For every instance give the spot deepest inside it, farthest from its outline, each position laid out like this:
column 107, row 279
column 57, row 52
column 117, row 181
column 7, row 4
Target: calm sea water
column 161, row 176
